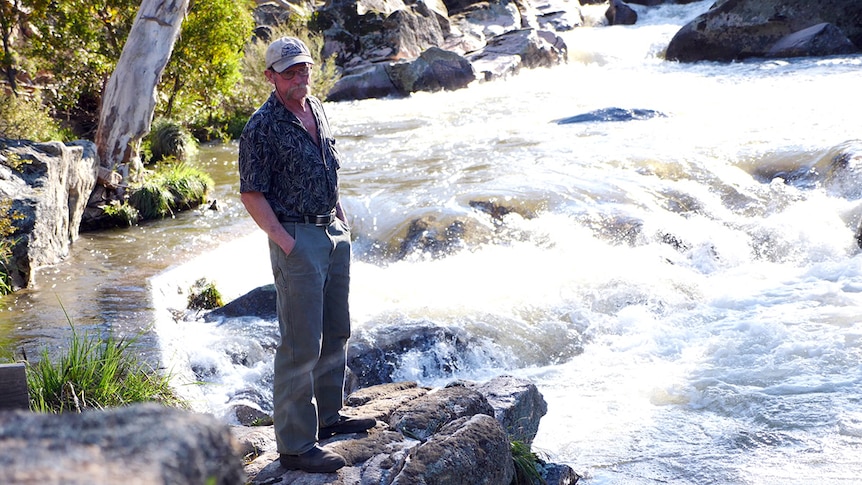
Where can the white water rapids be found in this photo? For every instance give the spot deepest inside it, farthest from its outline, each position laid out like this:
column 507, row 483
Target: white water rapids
column 684, row 290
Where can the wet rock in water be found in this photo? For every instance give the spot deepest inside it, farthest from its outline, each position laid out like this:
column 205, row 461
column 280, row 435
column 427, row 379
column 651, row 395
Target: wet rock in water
column 259, row 302
column 741, row 29
column 611, row 114
column 619, row 13
column 823, row 39
column 374, row 355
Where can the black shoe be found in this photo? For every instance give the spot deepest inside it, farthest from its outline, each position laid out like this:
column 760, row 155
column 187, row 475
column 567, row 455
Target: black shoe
column 346, row 425
column 315, row 460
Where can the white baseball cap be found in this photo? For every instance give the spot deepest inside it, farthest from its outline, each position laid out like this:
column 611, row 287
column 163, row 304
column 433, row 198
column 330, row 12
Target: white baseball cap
column 285, row 52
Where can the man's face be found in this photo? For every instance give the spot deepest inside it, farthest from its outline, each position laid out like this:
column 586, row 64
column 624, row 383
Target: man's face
column 292, row 83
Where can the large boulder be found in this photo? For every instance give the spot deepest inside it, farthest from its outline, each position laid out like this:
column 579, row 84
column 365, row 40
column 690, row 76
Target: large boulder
column 619, row 13
column 49, row 188
column 739, row 29
column 146, row 444
column 816, row 41
column 506, row 54
column 518, row 405
column 433, row 70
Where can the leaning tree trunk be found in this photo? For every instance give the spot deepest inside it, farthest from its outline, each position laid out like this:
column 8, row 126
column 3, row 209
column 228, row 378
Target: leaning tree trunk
column 129, row 98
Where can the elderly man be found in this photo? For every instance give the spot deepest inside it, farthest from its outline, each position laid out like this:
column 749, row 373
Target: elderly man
column 288, row 168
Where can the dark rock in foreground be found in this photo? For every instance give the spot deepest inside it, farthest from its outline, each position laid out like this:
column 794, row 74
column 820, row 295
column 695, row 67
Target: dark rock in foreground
column 141, row 444
column 457, row 435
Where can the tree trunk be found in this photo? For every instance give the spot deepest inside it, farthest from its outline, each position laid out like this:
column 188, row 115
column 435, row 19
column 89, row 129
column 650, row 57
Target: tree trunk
column 129, row 98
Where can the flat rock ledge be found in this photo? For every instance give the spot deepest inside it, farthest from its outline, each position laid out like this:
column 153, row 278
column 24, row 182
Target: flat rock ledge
column 460, row 434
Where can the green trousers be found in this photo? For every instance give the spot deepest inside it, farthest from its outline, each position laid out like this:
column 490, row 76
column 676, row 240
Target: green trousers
column 312, row 285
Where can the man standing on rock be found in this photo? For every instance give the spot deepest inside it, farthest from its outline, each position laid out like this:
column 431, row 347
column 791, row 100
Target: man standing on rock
column 289, row 185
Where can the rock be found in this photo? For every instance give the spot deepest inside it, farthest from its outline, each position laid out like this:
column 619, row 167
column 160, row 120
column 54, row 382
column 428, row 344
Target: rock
column 647, row 3
column 374, row 355
column 619, row 13
column 391, row 48
column 518, row 406
column 143, row 444
column 739, row 29
column 259, row 303
column 434, row 70
column 506, row 54
column 433, row 436
column 819, row 40
column 611, row 114
column 427, row 414
column 50, row 190
column 370, row 82
column 557, row 15
column 471, row 450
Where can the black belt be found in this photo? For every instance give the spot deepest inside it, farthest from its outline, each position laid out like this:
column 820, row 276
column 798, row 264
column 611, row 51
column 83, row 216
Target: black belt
column 317, row 220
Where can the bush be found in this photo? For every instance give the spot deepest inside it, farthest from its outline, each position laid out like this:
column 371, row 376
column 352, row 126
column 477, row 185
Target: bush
column 25, row 117
column 174, row 187
column 168, row 139
column 121, row 214
column 152, row 200
column 95, row 372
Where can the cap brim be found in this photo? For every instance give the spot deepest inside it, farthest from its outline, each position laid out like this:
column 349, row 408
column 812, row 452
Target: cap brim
column 282, row 64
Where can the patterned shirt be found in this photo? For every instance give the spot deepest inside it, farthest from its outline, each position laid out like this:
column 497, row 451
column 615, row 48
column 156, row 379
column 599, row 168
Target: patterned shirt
column 279, row 158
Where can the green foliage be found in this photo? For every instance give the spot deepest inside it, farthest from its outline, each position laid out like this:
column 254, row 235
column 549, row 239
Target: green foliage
column 121, row 214
column 188, row 184
column 204, row 66
column 7, row 244
column 204, row 295
column 95, row 372
column 175, row 186
column 151, row 199
column 79, row 42
column 169, row 139
column 526, row 465
column 26, row 117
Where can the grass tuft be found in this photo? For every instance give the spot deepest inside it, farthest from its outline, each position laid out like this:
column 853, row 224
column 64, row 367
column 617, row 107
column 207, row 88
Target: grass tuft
column 526, row 465
column 95, row 372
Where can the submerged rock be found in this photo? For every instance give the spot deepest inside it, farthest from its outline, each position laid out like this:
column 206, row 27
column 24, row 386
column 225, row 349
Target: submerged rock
column 611, row 114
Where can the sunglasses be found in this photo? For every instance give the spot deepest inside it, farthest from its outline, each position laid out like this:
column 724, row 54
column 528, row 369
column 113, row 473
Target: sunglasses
column 289, row 74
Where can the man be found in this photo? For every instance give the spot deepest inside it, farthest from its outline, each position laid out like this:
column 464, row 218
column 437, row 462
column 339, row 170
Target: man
column 289, row 185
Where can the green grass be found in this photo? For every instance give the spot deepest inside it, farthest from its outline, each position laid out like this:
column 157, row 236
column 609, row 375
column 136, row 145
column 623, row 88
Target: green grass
column 95, row 372
column 173, row 187
column 526, row 461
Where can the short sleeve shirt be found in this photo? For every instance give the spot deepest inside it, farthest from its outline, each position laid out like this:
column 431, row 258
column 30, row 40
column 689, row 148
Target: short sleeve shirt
column 279, row 158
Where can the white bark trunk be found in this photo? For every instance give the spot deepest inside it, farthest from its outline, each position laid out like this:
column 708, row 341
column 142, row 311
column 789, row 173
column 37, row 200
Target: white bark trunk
column 129, row 98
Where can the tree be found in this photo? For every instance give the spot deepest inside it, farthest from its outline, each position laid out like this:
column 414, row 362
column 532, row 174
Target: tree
column 78, row 42
column 205, row 65
column 129, row 98
column 11, row 15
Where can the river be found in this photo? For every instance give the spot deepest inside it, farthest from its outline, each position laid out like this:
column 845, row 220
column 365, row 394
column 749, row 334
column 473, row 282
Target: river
column 685, row 290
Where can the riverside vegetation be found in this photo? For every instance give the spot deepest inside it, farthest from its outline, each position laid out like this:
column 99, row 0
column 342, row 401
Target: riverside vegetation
column 210, row 87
